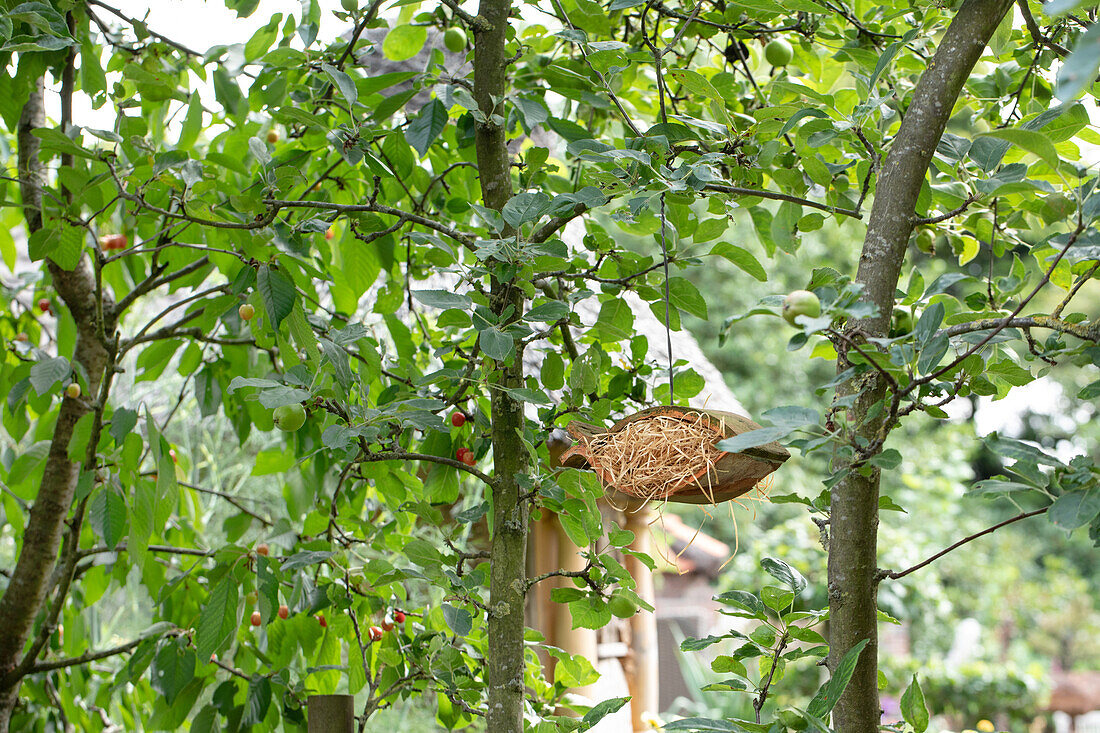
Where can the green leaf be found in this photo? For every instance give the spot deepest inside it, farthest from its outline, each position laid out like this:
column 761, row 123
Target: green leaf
column 48, row 372
column 426, row 126
column 745, row 601
column 615, row 322
column 710, row 725
column 218, row 619
column 913, row 708
column 258, row 700
column 602, row 710
column 306, row 558
column 685, row 296
column 442, row 299
column 173, row 668
column 459, row 619
column 553, row 371
column 753, row 439
column 107, row 513
column 524, row 207
column 827, row 697
column 784, row 573
column 548, row 312
column 496, row 344
column 278, row 293
column 1075, row 509
column 1036, row 143
column 742, row 258
column 1079, row 69
column 404, row 42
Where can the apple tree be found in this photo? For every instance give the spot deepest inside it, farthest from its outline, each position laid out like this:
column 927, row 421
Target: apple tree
column 350, row 259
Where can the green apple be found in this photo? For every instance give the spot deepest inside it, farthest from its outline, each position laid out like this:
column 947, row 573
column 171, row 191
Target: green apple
column 779, row 52
column 801, row 303
column 621, row 605
column 289, row 417
column 455, row 40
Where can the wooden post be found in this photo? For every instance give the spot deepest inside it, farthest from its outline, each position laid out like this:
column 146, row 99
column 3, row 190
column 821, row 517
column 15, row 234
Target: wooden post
column 574, row 641
column 330, row 713
column 543, row 558
column 643, row 680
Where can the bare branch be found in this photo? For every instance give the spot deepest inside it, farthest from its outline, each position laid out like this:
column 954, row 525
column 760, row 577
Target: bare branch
column 883, row 574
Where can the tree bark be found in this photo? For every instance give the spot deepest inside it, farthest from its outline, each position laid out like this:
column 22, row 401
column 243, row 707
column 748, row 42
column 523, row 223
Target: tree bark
column 33, row 576
column 854, row 509
column 508, row 578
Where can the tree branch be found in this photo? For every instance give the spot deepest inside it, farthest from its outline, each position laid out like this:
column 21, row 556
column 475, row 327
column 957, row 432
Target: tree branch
column 884, row 574
column 776, row 196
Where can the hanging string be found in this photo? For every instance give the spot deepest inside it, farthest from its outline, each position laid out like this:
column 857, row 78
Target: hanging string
column 668, row 329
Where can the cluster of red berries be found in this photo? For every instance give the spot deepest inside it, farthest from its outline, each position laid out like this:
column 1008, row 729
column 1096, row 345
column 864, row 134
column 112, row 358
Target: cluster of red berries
column 388, row 624
column 466, row 455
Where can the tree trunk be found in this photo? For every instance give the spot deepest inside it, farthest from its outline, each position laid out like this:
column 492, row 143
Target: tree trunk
column 26, row 595
column 854, row 510
column 508, row 579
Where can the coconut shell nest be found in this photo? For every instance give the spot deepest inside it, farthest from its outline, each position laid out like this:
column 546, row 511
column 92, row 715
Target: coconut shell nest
column 669, row 454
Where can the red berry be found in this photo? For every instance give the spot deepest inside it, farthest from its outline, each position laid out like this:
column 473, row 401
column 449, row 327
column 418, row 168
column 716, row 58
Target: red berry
column 468, row 458
column 461, row 452
column 172, row 455
column 399, row 617
column 458, row 419
column 256, row 618
column 263, row 549
column 321, row 620
column 375, row 633
column 283, row 611
column 330, row 233
column 44, row 305
column 387, row 624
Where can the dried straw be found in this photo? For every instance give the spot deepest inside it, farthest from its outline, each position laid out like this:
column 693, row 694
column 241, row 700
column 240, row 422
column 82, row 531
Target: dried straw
column 653, row 457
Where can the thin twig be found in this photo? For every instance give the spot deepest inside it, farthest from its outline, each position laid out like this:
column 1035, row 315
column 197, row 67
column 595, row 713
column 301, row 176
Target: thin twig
column 901, row 574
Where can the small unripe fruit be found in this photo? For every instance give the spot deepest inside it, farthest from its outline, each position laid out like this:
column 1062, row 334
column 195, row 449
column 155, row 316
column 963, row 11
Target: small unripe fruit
column 263, row 549
column 173, row 456
column 114, row 241
column 455, row 40
column 256, row 618
column 213, row 658
column 273, row 136
column 375, row 633
column 458, row 419
column 801, row 303
column 72, row 391
column 321, row 620
column 283, row 611
column 621, row 606
column 44, row 305
column 330, row 233
column 399, row 617
column 22, row 338
column 779, row 52
column 289, row 418
column 246, row 312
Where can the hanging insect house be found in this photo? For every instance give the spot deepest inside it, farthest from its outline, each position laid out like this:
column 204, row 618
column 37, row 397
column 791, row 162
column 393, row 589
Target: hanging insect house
column 670, row 453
